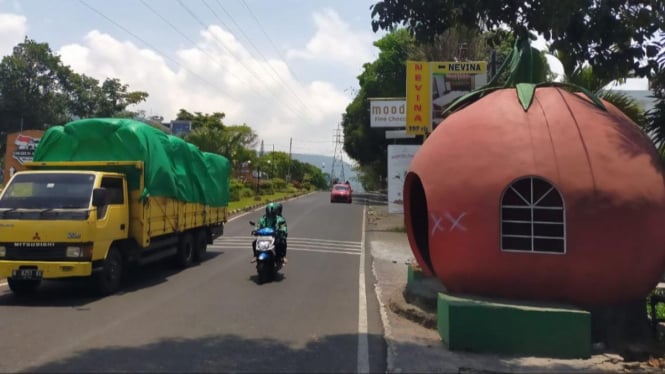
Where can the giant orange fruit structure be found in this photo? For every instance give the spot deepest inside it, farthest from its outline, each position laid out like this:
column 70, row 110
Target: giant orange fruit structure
column 534, row 192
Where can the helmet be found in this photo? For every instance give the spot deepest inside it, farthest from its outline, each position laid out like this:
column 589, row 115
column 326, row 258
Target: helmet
column 271, row 209
column 279, row 208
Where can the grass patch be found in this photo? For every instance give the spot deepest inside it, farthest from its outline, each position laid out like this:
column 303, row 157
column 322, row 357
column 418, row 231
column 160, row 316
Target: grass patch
column 397, row 229
column 246, row 202
column 660, row 308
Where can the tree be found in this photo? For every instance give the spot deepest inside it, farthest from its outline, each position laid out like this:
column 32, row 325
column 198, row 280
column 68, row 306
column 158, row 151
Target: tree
column 114, row 98
column 612, row 36
column 37, row 90
column 656, row 117
column 238, row 143
column 84, row 93
column 386, row 77
column 31, row 88
column 313, row 177
column 207, row 138
column 202, row 120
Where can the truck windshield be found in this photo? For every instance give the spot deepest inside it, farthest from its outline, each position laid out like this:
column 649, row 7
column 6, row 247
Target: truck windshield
column 48, row 191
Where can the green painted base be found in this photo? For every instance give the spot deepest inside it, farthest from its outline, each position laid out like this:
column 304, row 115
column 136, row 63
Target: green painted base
column 414, row 274
column 481, row 325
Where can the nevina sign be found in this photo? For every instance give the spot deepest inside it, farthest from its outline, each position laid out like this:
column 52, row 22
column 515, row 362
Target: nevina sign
column 418, row 97
column 432, row 85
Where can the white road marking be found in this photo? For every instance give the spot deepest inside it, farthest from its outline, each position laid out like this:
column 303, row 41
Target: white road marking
column 290, row 248
column 363, row 345
column 291, row 240
column 295, row 244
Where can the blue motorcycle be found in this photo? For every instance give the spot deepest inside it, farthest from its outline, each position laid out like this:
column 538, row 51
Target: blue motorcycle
column 267, row 264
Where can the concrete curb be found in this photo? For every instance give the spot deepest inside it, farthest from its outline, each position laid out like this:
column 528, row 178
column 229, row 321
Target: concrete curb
column 391, row 349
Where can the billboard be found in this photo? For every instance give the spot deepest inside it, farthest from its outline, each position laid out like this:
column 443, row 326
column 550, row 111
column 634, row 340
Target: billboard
column 453, row 79
column 432, row 86
column 20, row 148
column 388, row 112
column 399, row 160
column 180, row 127
column 418, row 97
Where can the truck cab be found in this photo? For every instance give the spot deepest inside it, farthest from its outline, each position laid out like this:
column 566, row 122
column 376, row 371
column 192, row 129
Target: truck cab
column 60, row 223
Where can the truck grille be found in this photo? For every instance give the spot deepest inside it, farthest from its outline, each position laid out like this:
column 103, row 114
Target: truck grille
column 46, row 253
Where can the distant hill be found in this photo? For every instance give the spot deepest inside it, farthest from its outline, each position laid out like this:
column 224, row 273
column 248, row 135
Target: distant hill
column 326, row 162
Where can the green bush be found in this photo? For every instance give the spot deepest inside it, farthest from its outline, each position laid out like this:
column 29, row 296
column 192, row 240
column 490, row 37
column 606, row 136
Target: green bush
column 247, row 192
column 660, row 308
column 239, row 189
column 235, row 188
column 265, row 186
column 278, row 184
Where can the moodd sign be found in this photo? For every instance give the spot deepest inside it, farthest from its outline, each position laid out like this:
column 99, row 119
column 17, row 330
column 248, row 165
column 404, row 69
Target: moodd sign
column 387, row 112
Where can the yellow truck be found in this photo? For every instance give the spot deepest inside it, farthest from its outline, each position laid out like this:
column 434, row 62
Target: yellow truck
column 95, row 210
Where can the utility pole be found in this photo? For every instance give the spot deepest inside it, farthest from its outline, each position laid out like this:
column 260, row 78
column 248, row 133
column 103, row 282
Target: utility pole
column 258, row 167
column 288, row 170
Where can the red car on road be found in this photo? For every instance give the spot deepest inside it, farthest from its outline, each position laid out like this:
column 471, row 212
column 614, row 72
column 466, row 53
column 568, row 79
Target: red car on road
column 341, row 192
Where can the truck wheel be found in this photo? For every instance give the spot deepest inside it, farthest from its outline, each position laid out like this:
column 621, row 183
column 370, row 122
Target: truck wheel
column 109, row 278
column 23, row 286
column 185, row 251
column 200, row 245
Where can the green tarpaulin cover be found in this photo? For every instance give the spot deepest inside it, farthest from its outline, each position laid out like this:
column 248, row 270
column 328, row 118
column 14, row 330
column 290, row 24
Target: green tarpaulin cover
column 173, row 167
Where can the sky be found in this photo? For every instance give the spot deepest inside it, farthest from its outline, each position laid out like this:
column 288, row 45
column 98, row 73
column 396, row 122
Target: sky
column 286, row 68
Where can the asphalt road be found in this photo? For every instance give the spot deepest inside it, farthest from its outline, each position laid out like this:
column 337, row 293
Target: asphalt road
column 320, row 316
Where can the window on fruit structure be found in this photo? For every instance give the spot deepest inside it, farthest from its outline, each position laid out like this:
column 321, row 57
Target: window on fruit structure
column 533, row 217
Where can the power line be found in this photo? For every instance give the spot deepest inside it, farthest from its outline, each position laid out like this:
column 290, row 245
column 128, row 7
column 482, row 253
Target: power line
column 256, row 49
column 269, row 40
column 194, row 43
column 148, row 44
column 251, row 73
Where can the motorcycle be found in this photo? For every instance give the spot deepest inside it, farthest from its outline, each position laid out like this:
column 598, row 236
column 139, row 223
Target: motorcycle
column 267, row 264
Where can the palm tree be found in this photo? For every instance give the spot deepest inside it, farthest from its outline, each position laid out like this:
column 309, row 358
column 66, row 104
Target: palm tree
column 656, row 117
column 585, row 77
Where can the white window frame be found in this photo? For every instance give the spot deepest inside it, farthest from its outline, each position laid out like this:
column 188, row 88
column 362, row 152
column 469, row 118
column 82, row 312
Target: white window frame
column 532, row 206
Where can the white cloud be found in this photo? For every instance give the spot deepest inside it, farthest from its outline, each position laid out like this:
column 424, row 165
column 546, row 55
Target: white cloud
column 13, row 29
column 336, row 41
column 630, row 84
column 218, row 75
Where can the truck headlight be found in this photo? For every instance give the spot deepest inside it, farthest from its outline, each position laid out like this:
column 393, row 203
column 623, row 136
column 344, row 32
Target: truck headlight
column 3, row 251
column 74, row 252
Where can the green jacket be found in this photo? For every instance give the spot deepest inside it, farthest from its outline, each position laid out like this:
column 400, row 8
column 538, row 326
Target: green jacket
column 277, row 223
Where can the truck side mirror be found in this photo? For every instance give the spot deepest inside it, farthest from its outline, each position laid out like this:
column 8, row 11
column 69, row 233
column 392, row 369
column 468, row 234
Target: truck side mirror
column 99, row 197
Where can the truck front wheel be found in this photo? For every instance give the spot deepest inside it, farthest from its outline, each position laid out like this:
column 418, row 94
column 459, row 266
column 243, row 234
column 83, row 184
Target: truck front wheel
column 23, row 286
column 108, row 279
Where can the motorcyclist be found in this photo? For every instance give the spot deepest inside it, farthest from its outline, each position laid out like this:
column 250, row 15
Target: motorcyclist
column 272, row 218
